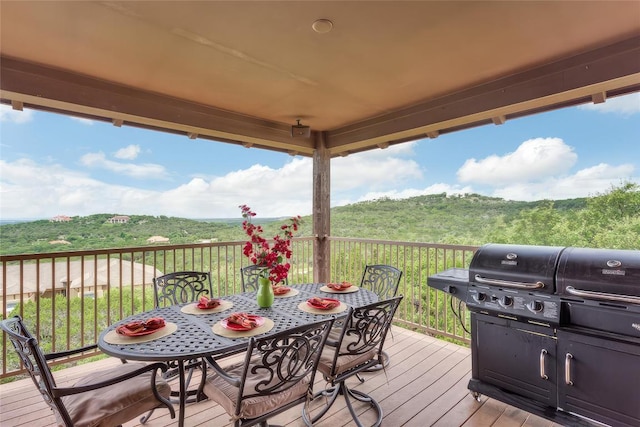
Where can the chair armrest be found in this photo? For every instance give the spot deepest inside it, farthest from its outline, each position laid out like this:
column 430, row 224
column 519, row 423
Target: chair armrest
column 65, row 391
column 234, row 381
column 66, row 353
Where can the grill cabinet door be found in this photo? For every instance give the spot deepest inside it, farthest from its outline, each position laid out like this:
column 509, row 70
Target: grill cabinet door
column 599, row 378
column 514, row 356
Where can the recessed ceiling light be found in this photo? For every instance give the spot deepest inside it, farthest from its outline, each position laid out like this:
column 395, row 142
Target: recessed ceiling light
column 322, row 26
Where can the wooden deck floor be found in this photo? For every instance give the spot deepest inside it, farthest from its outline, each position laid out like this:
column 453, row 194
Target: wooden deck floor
column 425, row 385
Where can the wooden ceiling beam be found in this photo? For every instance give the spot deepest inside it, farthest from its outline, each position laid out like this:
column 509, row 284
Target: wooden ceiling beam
column 41, row 87
column 558, row 84
column 599, row 98
column 589, row 77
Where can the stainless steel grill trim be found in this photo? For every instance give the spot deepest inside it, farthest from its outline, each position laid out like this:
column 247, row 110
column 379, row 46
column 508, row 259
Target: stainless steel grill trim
column 603, row 296
column 508, row 283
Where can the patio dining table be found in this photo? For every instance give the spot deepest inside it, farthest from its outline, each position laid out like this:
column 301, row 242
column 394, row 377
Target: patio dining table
column 195, row 337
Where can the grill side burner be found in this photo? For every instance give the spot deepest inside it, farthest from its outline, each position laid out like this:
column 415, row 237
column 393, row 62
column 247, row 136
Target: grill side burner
column 554, row 331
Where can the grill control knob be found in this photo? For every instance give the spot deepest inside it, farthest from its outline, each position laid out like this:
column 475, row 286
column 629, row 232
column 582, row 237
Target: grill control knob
column 535, row 306
column 479, row 297
column 506, row 301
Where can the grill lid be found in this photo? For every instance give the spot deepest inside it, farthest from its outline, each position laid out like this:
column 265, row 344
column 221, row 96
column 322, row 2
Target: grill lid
column 521, row 267
column 600, row 274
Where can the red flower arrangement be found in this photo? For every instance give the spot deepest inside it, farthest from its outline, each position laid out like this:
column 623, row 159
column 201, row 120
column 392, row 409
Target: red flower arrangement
column 259, row 252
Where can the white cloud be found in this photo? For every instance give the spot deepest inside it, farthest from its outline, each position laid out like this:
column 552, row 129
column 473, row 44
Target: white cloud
column 534, row 160
column 87, row 122
column 625, row 105
column 377, row 169
column 39, row 191
column 8, row 114
column 143, row 170
column 376, row 173
column 270, row 192
column 540, row 169
column 586, row 182
column 129, row 152
column 32, row 190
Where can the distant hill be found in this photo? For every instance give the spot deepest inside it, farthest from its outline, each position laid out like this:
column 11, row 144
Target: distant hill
column 433, row 218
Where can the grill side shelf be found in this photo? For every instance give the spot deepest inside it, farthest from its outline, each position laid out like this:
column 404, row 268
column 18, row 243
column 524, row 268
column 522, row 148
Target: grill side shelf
column 454, row 281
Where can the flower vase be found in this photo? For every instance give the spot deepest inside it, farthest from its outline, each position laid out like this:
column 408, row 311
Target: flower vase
column 264, row 296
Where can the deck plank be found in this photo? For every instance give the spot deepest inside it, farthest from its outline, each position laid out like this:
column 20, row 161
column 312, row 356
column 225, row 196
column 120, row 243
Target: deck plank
column 424, row 385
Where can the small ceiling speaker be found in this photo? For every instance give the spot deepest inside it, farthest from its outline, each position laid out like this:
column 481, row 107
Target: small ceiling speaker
column 300, row 131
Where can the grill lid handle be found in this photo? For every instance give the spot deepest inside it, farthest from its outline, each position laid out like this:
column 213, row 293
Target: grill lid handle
column 602, row 295
column 508, row 284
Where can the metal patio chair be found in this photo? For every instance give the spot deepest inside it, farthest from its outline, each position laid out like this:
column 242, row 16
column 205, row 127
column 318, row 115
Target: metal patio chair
column 358, row 348
column 182, row 287
column 383, row 280
column 277, row 374
column 249, row 276
column 105, row 398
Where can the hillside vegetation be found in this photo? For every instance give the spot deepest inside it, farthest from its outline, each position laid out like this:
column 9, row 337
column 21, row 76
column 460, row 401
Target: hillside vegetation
column 607, row 220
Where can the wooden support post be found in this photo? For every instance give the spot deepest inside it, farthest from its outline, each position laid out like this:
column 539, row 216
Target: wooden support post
column 321, row 209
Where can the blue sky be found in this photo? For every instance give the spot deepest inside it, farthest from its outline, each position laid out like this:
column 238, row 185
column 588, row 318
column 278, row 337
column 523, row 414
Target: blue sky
column 53, row 164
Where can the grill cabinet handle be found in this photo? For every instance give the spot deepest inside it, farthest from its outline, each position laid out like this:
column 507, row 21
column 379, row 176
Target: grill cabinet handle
column 603, row 296
column 543, row 375
column 567, row 369
column 509, row 284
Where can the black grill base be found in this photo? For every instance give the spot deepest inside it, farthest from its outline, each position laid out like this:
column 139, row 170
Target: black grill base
column 529, row 405
column 554, row 331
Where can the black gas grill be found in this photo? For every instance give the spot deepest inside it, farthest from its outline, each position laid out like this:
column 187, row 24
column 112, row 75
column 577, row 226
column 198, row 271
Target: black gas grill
column 554, row 331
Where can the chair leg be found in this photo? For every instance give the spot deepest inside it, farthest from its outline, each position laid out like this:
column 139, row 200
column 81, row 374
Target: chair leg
column 332, row 393
column 342, row 389
column 362, row 397
column 199, row 393
column 145, row 418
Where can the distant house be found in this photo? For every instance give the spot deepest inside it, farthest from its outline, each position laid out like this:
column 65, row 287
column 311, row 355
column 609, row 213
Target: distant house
column 90, row 278
column 157, row 239
column 119, row 219
column 60, row 218
column 59, row 242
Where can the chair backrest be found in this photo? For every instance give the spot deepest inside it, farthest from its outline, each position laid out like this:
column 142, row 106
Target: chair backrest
column 361, row 340
column 35, row 363
column 381, row 279
column 276, row 363
column 249, row 277
column 181, row 287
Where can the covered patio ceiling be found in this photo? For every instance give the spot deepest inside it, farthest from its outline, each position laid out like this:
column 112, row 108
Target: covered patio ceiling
column 243, row 72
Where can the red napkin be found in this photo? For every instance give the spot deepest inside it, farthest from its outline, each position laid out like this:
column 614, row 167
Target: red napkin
column 339, row 286
column 280, row 290
column 243, row 319
column 206, row 303
column 140, row 327
column 323, row 303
